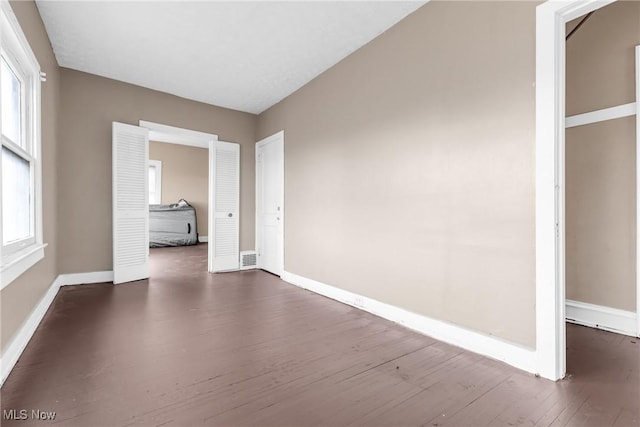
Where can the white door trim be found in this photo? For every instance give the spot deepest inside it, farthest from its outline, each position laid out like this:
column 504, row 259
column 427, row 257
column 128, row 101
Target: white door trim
column 275, row 137
column 638, row 191
column 175, row 135
column 551, row 19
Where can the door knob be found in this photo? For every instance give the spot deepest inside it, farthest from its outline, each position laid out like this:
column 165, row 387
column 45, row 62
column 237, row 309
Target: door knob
column 230, row 215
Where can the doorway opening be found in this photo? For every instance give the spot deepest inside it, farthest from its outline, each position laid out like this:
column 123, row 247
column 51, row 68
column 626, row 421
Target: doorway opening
column 178, row 207
column 131, row 192
column 552, row 169
column 176, row 162
column 601, row 186
column 222, row 236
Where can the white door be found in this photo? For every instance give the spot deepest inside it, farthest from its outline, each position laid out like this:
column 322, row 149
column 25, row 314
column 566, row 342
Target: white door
column 226, row 202
column 130, row 192
column 270, row 203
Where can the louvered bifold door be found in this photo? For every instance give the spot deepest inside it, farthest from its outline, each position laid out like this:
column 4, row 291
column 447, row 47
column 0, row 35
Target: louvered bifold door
column 226, row 221
column 130, row 203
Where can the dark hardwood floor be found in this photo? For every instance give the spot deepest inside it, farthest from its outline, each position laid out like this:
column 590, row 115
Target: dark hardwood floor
column 187, row 348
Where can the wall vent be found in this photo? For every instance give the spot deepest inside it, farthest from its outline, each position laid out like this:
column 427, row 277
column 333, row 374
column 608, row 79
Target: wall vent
column 248, row 259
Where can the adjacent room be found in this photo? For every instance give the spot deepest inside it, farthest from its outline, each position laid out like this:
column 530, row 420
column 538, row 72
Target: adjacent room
column 601, row 178
column 178, row 180
column 320, row 213
column 178, row 205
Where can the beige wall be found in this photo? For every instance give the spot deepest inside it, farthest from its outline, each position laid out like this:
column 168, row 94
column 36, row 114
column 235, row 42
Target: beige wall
column 409, row 165
column 21, row 296
column 90, row 104
column 409, row 168
column 600, row 160
column 185, row 175
column 600, row 59
column 601, row 214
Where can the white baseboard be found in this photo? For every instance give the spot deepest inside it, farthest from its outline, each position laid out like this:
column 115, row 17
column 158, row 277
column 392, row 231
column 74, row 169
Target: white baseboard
column 490, row 346
column 601, row 317
column 20, row 340
column 85, row 278
column 203, row 239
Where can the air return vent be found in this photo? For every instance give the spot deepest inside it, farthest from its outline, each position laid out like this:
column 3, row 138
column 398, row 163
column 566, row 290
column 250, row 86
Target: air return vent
column 248, row 259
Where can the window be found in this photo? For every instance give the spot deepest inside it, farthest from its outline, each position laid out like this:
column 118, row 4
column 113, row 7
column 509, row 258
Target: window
column 155, row 182
column 20, row 192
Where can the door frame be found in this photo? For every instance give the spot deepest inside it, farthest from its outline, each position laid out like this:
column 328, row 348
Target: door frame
column 180, row 136
column 551, row 19
column 275, row 137
column 637, row 190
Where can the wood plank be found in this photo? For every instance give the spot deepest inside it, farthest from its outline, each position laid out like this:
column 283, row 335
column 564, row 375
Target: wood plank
column 190, row 348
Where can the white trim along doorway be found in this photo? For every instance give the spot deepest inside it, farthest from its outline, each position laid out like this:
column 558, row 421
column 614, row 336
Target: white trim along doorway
column 175, row 135
column 551, row 19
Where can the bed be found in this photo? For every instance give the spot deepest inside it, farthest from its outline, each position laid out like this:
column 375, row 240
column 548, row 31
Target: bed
column 172, row 225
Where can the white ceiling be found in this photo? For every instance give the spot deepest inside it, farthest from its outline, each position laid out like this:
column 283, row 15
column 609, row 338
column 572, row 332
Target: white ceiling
column 241, row 55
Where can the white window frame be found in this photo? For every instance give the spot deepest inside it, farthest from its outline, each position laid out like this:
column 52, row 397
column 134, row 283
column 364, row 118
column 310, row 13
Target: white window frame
column 157, row 164
column 18, row 257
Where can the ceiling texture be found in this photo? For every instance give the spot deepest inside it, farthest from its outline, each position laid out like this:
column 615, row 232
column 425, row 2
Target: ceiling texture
column 241, row 55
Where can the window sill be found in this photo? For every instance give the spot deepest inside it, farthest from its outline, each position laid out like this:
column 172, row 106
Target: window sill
column 14, row 265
